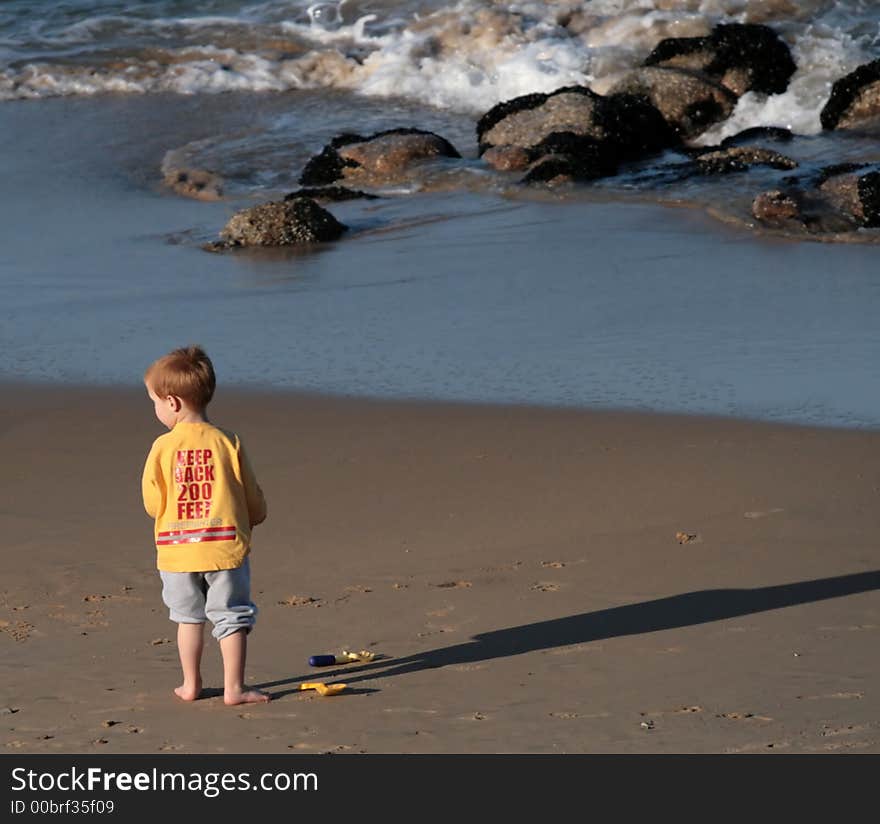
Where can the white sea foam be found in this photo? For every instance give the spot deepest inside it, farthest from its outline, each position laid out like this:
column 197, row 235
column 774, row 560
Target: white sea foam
column 465, row 56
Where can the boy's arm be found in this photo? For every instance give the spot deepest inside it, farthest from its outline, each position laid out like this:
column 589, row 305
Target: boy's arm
column 256, row 501
column 153, row 484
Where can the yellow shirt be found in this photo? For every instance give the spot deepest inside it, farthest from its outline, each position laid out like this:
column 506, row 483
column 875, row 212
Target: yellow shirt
column 199, row 486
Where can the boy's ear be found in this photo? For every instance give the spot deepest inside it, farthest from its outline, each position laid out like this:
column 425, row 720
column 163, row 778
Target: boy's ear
column 174, row 403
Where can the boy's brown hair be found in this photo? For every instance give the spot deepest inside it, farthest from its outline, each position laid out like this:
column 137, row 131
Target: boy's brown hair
column 187, row 373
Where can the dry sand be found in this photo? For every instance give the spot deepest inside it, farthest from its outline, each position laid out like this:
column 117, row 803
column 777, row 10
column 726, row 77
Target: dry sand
column 538, row 581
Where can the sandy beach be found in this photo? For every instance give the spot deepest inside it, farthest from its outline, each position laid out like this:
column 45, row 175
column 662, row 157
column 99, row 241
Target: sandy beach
column 531, row 580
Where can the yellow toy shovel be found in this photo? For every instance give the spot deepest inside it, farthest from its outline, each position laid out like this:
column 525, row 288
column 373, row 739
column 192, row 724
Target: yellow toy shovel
column 323, row 689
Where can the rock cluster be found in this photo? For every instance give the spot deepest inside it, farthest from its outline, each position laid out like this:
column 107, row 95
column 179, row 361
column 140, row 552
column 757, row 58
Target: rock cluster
column 574, row 134
column 839, row 198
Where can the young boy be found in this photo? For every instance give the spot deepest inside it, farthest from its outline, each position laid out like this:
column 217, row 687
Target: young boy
column 202, row 492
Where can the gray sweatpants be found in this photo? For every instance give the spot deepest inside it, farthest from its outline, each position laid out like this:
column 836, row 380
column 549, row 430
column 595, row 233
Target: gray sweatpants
column 222, row 597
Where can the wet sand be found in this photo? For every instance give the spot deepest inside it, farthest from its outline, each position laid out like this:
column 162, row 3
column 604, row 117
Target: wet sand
column 531, row 580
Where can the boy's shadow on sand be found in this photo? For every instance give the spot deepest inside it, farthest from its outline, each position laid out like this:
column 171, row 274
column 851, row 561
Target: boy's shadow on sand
column 689, row 609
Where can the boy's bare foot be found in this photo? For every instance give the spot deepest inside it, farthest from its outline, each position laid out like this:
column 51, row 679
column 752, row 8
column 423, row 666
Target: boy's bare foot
column 231, row 698
column 185, row 692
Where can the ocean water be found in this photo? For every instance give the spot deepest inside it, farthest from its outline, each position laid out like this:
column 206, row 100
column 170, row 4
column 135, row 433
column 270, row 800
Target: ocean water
column 452, row 286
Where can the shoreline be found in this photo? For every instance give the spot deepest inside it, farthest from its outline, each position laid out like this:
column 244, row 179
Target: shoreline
column 238, row 393
column 534, row 580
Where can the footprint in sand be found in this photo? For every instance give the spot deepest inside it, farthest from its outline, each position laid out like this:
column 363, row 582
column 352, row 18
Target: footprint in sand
column 847, row 745
column 101, row 597
column 850, row 729
column 849, row 628
column 742, row 716
column 299, row 601
column 762, row 513
column 834, row 695
column 512, row 567
column 429, row 632
column 18, row 630
column 440, row 613
column 545, row 586
column 352, row 590
column 688, row 710
column 411, row 709
column 574, row 650
column 553, row 564
column 762, row 746
column 453, row 585
column 565, row 716
column 171, row 747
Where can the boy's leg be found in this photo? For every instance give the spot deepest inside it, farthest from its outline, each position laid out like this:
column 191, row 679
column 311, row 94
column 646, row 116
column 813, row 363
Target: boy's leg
column 184, row 595
column 190, row 642
column 229, row 607
column 233, row 648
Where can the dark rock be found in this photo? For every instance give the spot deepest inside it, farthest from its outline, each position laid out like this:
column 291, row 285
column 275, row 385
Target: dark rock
column 827, row 172
column 742, row 57
column 855, row 194
column 739, row 159
column 507, row 158
column 777, row 207
column 774, row 134
column 381, row 157
column 853, row 99
column 628, row 121
column 689, row 101
column 330, row 193
column 559, row 169
column 869, row 195
column 564, row 155
column 525, row 121
column 281, row 223
column 636, row 126
column 325, row 168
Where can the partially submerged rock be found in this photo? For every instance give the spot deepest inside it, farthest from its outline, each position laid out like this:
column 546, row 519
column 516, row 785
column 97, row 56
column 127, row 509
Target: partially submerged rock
column 333, row 194
column 843, row 198
column 281, row 223
column 777, row 207
column 195, row 183
column 572, row 134
column 526, row 120
column 854, row 98
column 629, row 122
column 689, row 101
column 741, row 158
column 507, row 158
column 855, row 193
column 379, row 158
column 773, row 134
column 564, row 156
column 742, row 57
